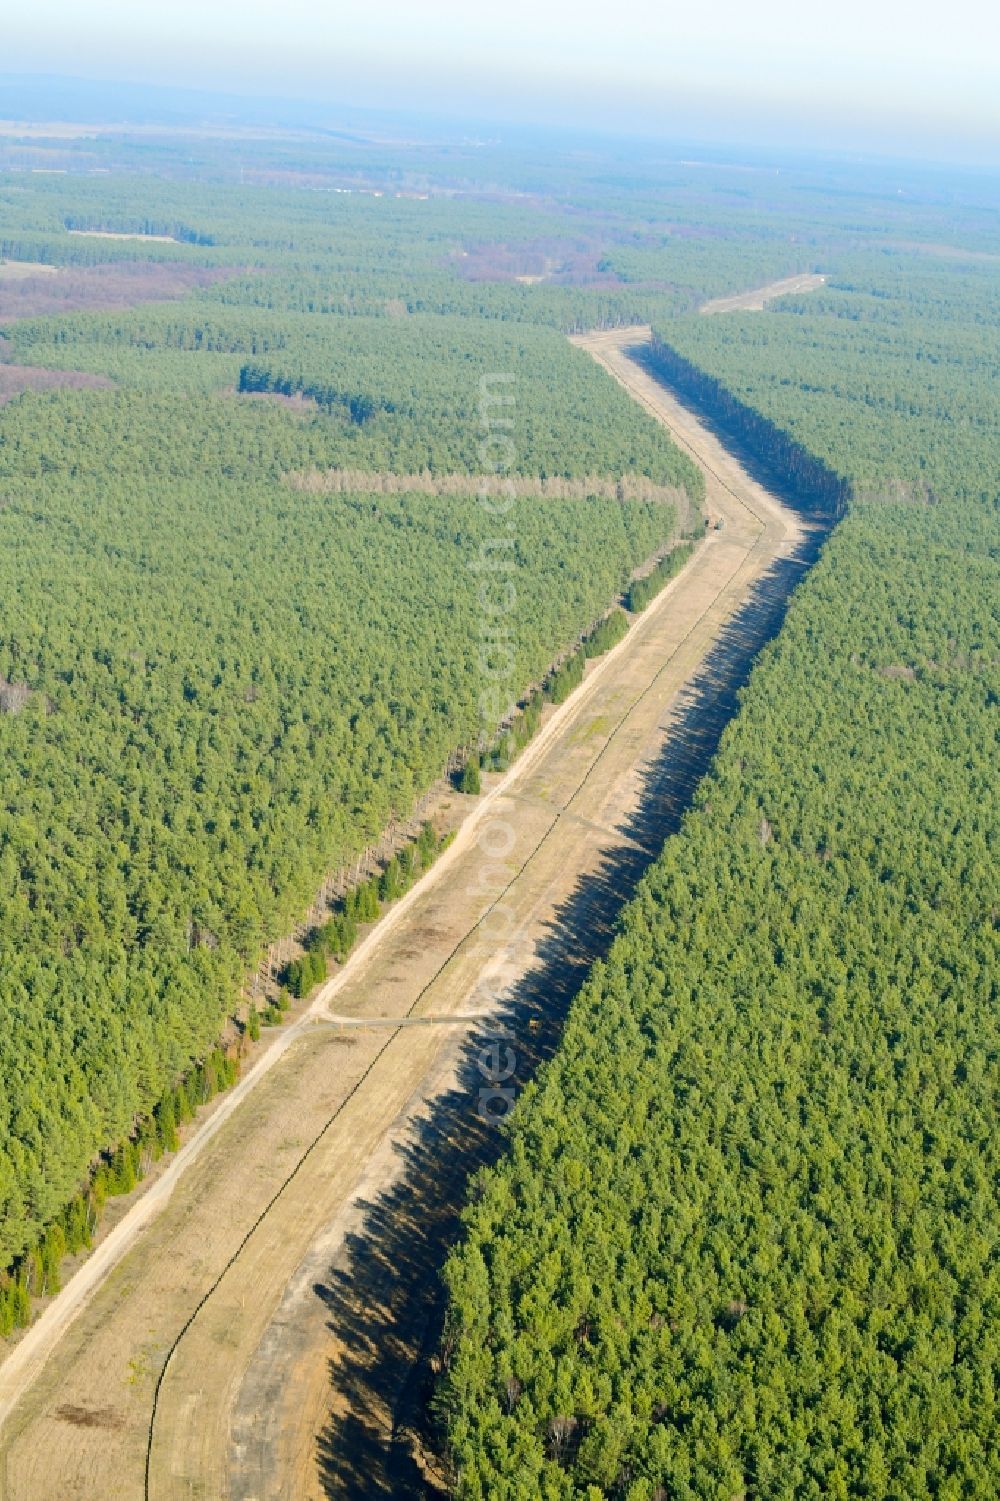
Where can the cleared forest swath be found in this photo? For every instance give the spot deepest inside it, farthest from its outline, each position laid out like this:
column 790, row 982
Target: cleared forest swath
column 755, row 301
column 201, row 1345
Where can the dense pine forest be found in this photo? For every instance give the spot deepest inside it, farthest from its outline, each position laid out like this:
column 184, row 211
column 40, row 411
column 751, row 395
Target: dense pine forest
column 743, row 1242
column 217, row 684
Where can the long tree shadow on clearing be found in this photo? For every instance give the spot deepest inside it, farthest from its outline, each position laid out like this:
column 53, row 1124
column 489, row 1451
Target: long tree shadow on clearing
column 383, row 1294
column 732, row 440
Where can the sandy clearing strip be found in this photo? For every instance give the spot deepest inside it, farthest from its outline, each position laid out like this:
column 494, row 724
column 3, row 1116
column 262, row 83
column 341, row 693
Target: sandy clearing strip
column 20, row 270
column 115, row 234
column 755, row 300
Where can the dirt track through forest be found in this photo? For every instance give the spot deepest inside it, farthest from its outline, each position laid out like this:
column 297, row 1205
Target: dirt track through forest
column 756, row 300
column 302, row 1229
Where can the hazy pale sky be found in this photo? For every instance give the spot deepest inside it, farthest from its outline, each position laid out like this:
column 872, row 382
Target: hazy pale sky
column 881, row 73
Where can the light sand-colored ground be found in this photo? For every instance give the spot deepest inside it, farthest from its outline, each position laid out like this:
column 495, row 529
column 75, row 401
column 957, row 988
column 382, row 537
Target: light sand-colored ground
column 194, row 1298
column 19, row 270
column 755, row 301
column 113, row 234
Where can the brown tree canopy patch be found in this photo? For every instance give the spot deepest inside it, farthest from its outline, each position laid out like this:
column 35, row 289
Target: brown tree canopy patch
column 13, row 696
column 17, row 378
column 103, row 288
column 564, row 262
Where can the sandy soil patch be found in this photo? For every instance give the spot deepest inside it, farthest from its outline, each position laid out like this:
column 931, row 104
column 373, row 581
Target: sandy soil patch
column 113, row 234
column 18, row 270
column 756, row 300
